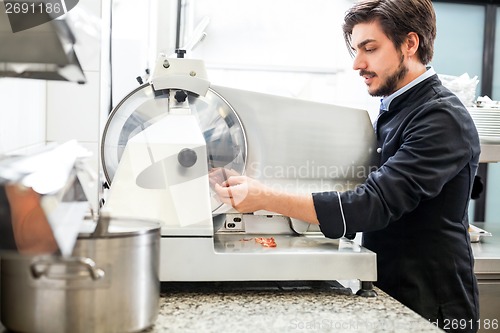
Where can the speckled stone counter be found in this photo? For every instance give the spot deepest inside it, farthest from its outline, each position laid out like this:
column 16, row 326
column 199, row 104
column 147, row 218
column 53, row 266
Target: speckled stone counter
column 280, row 307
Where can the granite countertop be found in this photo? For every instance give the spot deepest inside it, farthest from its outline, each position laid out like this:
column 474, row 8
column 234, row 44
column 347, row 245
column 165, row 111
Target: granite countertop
column 292, row 307
column 280, row 307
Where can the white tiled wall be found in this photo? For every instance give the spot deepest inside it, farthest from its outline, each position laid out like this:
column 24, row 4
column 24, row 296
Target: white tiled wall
column 74, row 110
column 34, row 112
column 22, row 114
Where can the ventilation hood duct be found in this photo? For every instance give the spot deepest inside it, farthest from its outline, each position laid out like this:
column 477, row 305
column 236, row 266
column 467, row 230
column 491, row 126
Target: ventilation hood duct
column 43, row 52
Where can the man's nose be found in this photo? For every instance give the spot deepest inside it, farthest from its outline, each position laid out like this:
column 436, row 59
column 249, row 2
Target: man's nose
column 358, row 62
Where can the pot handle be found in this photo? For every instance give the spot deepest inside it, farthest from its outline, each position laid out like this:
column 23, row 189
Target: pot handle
column 37, row 272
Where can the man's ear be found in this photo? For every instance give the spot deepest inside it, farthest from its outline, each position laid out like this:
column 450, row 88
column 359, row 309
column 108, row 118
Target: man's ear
column 411, row 44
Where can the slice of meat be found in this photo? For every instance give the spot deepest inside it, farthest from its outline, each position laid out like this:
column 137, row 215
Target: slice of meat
column 266, row 241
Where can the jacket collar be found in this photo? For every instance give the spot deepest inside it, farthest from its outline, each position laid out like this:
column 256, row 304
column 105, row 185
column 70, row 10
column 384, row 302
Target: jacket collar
column 386, row 101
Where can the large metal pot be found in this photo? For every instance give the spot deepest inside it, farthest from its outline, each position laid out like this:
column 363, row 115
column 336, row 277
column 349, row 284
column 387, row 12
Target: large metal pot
column 109, row 284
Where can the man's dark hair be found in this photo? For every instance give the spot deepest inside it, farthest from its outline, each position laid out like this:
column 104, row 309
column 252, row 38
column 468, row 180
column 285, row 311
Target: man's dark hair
column 397, row 18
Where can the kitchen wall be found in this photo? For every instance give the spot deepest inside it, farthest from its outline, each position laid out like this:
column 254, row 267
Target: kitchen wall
column 492, row 206
column 78, row 111
column 22, row 114
column 290, row 54
column 34, row 112
column 141, row 30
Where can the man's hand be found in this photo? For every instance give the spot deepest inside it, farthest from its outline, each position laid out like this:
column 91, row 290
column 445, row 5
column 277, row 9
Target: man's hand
column 220, row 175
column 243, row 193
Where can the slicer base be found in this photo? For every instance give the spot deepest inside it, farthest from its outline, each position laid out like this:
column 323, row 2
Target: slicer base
column 239, row 258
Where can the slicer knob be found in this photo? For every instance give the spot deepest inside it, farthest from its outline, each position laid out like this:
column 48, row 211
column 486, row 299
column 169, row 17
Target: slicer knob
column 187, row 157
column 180, row 53
column 180, row 96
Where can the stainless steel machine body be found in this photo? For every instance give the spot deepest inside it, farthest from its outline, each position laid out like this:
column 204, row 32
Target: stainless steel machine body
column 291, row 144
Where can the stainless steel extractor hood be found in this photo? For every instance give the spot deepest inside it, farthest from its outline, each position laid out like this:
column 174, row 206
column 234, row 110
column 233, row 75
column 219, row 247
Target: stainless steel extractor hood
column 43, row 52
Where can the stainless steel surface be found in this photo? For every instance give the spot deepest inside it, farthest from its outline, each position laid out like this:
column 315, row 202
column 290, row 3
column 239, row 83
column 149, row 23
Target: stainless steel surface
column 487, row 270
column 290, row 144
column 222, row 129
column 237, row 257
column 489, row 303
column 110, row 284
column 489, row 153
column 251, row 224
column 228, row 258
column 41, row 52
column 487, row 252
column 303, row 145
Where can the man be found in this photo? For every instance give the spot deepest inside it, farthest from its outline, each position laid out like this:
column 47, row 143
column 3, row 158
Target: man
column 413, row 208
column 23, row 224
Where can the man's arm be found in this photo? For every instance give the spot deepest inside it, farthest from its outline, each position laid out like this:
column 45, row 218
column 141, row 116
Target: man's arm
column 32, row 232
column 249, row 195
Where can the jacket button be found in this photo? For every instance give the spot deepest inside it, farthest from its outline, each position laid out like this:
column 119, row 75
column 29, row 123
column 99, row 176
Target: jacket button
column 379, row 150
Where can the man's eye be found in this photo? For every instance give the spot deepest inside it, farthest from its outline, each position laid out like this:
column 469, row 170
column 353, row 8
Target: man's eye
column 369, row 50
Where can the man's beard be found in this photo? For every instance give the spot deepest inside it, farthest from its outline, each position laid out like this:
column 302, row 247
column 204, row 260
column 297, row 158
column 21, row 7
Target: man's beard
column 391, row 83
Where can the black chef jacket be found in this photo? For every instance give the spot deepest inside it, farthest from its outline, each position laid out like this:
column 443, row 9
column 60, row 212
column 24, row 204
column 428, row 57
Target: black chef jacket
column 413, row 208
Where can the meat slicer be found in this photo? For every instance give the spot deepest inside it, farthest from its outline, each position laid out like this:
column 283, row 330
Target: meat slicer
column 164, row 139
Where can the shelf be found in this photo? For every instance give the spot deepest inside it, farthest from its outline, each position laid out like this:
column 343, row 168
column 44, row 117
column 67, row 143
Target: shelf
column 490, row 153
